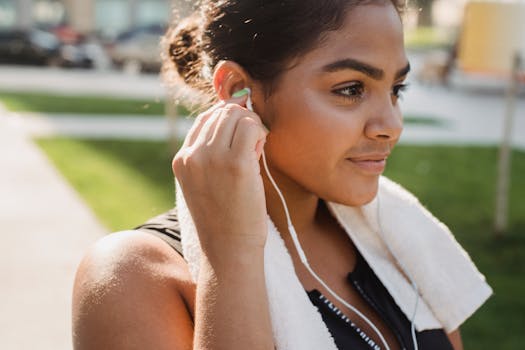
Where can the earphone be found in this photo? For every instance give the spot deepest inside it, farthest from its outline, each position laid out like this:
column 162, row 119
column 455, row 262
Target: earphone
column 304, row 260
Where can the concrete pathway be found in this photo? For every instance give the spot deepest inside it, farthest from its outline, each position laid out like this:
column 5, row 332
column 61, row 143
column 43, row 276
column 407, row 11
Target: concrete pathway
column 97, row 127
column 466, row 117
column 45, row 230
column 462, row 118
column 471, row 113
column 78, row 81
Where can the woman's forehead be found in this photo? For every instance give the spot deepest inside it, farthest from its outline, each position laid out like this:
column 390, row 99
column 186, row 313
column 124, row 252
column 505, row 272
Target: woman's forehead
column 371, row 34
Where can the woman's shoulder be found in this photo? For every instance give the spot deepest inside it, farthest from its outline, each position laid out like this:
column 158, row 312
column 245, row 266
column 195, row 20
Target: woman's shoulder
column 133, row 282
column 152, row 249
column 132, row 253
column 133, row 259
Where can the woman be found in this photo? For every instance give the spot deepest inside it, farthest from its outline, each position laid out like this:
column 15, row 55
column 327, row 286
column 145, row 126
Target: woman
column 324, row 79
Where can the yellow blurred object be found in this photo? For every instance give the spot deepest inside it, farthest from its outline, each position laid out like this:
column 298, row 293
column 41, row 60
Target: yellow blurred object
column 493, row 32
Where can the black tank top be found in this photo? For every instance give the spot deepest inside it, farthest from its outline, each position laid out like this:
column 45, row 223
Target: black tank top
column 363, row 279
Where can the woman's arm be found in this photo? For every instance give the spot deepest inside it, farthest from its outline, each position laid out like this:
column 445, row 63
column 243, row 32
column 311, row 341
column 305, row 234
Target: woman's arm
column 218, row 171
column 232, row 305
column 455, row 339
column 133, row 292
column 128, row 295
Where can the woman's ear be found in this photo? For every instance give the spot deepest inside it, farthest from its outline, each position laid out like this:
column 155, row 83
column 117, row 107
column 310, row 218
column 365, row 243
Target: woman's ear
column 228, row 78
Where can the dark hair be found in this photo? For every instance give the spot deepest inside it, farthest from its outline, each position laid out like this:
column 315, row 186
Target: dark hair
column 263, row 36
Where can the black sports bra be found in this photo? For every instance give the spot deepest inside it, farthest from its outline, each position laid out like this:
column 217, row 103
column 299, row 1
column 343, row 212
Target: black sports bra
column 346, row 335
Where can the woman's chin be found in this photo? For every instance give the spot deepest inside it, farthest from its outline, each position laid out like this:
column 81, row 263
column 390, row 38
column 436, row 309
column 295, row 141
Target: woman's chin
column 357, row 193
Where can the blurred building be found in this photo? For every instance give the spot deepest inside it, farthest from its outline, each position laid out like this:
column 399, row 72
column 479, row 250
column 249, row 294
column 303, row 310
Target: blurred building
column 107, row 17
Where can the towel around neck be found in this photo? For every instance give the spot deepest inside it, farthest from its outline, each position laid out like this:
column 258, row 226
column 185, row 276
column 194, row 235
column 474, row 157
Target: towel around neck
column 391, row 232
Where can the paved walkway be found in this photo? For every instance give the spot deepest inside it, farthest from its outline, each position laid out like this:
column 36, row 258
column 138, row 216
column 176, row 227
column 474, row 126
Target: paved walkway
column 467, row 118
column 96, row 127
column 462, row 119
column 83, row 82
column 46, row 227
column 470, row 115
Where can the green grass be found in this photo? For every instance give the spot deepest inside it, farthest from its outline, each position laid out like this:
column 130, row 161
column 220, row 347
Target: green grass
column 127, row 182
column 78, row 105
column 124, row 182
column 458, row 186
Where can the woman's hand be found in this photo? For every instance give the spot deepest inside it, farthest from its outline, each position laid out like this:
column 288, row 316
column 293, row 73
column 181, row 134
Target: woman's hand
column 218, row 170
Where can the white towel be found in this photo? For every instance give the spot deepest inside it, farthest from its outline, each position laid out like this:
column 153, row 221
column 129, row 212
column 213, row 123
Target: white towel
column 450, row 286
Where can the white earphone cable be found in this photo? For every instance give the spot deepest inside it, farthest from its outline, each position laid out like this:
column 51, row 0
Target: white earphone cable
column 304, row 259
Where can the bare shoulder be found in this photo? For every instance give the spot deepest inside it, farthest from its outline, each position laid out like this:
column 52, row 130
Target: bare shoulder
column 132, row 291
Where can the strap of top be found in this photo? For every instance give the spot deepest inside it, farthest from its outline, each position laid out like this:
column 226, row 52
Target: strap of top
column 166, row 227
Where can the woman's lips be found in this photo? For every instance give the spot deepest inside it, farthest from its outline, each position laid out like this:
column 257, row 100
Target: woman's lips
column 369, row 166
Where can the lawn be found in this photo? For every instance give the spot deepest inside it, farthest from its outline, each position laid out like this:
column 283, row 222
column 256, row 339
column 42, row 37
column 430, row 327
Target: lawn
column 126, row 182
column 79, row 105
column 458, row 186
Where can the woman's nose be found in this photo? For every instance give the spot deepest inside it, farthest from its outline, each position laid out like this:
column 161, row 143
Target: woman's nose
column 386, row 123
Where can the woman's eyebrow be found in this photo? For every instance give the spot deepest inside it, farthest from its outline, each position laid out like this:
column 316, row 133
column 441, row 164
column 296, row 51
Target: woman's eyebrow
column 403, row 71
column 371, row 71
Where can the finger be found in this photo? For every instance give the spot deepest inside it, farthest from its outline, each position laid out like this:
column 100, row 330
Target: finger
column 248, row 134
column 208, row 128
column 225, row 127
column 199, row 122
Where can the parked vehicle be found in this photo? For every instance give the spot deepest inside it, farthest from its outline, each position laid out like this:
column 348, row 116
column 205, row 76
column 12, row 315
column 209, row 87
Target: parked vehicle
column 75, row 56
column 41, row 47
column 138, row 50
column 29, row 47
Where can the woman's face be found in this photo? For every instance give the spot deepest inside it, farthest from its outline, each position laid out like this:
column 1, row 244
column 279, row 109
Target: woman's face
column 334, row 116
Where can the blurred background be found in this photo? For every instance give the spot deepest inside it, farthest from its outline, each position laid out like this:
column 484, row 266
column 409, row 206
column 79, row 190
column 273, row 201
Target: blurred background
column 88, row 132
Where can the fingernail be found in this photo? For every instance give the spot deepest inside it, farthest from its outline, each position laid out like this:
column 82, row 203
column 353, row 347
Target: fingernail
column 241, row 93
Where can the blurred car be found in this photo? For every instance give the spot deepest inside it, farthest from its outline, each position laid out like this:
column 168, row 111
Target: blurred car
column 40, row 47
column 75, row 56
column 29, row 47
column 138, row 50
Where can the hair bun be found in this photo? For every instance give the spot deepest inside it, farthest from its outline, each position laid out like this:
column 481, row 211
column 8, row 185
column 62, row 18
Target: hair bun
column 182, row 43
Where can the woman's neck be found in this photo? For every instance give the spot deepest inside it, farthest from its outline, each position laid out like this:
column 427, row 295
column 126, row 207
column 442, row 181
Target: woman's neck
column 302, row 205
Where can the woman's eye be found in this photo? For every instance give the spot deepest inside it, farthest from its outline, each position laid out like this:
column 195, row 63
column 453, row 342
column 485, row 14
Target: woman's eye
column 398, row 90
column 354, row 91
